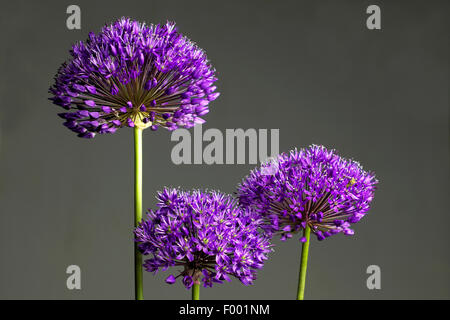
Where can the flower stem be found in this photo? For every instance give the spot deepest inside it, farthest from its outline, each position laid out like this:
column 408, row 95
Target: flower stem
column 196, row 291
column 303, row 264
column 138, row 288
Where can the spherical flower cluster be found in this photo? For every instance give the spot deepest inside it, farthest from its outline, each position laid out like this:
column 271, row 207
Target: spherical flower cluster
column 205, row 233
column 133, row 74
column 312, row 187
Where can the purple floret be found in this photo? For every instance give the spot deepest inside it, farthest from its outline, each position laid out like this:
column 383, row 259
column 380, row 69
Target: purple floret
column 312, row 186
column 206, row 234
column 133, row 74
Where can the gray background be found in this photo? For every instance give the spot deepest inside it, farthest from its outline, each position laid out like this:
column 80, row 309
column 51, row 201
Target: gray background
column 309, row 68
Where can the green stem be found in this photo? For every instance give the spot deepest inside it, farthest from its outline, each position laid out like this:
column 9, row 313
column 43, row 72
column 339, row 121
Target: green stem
column 138, row 288
column 196, row 291
column 303, row 264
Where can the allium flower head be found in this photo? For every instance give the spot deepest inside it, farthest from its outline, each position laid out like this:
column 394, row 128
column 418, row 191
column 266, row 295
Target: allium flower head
column 204, row 233
column 312, row 186
column 133, row 74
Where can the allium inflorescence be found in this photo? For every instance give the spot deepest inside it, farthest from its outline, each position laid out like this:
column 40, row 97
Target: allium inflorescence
column 206, row 234
column 312, row 186
column 133, row 74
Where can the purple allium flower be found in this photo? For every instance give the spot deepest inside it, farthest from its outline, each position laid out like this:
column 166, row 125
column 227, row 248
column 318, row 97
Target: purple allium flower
column 205, row 233
column 312, row 186
column 133, row 74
